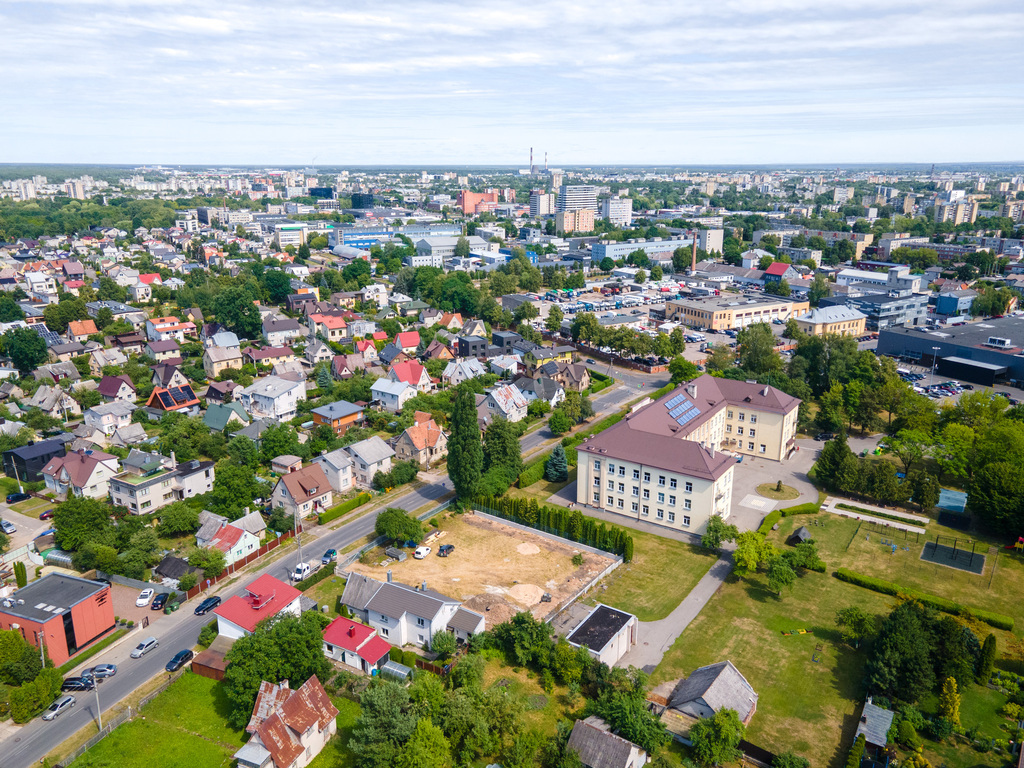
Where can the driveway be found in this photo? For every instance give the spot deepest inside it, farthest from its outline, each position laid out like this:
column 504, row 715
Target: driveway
column 28, row 523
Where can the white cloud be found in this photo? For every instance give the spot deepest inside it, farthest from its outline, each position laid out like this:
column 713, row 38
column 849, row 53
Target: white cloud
column 435, row 81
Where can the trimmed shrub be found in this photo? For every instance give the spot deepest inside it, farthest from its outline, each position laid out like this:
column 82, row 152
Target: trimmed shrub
column 344, row 508
column 325, row 572
column 906, row 735
column 810, row 508
column 533, row 473
column 997, row 620
column 856, row 752
column 208, row 634
column 769, row 521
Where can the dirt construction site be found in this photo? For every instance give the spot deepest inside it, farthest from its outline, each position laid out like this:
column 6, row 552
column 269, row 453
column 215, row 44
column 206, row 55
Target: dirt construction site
column 495, row 569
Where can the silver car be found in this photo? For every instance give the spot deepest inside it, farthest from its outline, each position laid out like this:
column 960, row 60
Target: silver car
column 59, row 707
column 144, row 647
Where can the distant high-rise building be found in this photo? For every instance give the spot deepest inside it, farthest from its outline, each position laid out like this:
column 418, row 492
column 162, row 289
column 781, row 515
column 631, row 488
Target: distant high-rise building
column 468, row 201
column 618, row 210
column 1013, row 210
column 324, row 193
column 557, row 177
column 578, row 220
column 541, row 203
column 362, row 200
column 75, row 188
column 575, row 197
column 26, row 189
column 956, row 212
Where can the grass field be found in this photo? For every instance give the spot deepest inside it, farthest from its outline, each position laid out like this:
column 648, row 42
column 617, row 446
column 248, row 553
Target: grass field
column 844, row 542
column 183, row 727
column 542, row 490
column 768, row 491
column 337, row 754
column 806, row 707
column 662, row 573
column 543, row 710
column 327, row 593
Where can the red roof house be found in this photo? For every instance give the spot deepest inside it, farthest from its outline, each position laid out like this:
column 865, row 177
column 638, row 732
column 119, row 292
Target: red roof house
column 236, row 543
column 355, row 645
column 407, row 341
column 263, row 598
column 289, row 728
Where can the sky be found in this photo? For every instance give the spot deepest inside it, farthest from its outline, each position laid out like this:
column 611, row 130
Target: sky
column 350, row 82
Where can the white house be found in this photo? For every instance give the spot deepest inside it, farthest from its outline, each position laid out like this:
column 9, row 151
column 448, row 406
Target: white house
column 236, row 543
column 355, row 645
column 278, row 331
column 507, row 402
column 109, row 417
column 337, row 466
column 376, row 293
column 369, row 457
column 458, row 371
column 402, row 614
column 263, row 598
column 607, row 634
column 392, row 395
column 271, row 397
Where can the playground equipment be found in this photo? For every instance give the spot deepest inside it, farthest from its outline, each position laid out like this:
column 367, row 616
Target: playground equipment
column 1018, row 546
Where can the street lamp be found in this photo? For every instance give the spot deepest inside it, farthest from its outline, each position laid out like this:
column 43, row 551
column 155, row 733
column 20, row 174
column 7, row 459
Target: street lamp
column 935, row 357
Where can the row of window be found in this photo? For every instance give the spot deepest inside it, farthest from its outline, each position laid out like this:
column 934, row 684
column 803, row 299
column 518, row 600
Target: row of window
column 646, row 510
column 646, row 493
column 739, row 430
column 672, row 482
column 741, row 416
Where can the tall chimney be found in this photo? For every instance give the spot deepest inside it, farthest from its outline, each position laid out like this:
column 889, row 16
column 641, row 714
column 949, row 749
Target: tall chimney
column 531, row 161
column 389, row 576
column 693, row 255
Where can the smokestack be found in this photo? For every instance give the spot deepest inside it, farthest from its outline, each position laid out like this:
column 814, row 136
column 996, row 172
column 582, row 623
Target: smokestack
column 545, row 161
column 693, row 255
column 531, row 161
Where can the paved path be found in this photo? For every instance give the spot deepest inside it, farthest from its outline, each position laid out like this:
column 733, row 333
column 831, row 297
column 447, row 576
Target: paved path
column 655, row 638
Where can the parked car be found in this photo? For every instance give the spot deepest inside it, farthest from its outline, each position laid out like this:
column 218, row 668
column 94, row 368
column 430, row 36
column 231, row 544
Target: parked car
column 14, row 498
column 159, row 601
column 144, row 597
column 144, row 647
column 100, row 671
column 59, row 707
column 591, row 361
column 421, row 552
column 207, row 605
column 47, row 515
column 7, row 526
column 445, row 549
column 824, row 436
column 329, row 556
column 82, row 683
column 181, row 658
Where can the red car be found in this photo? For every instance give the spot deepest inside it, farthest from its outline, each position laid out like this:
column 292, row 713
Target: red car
column 46, row 515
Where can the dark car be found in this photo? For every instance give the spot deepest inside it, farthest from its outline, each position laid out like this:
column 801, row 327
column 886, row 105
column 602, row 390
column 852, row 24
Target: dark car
column 159, row 602
column 207, row 605
column 329, row 556
column 824, row 436
column 47, row 515
column 181, row 658
column 445, row 549
column 14, row 498
column 590, row 361
column 78, row 684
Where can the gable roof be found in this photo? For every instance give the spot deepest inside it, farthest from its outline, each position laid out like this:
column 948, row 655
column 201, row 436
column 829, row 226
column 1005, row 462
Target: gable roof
column 713, row 688
column 425, row 433
column 875, row 723
column 409, row 371
column 371, row 450
column 407, row 339
column 777, row 269
column 395, row 599
column 263, row 598
column 597, row 746
column 82, row 328
column 509, row 398
column 218, row 415
column 173, row 399
column 306, row 483
column 337, row 410
column 79, row 466
column 280, row 717
column 226, row 538
column 109, row 386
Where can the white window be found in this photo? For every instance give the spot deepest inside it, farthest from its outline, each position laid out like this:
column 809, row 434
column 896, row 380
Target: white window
column 635, row 506
column 687, row 504
column 686, row 520
column 763, row 448
column 611, row 501
column 750, row 446
column 753, row 418
column 661, row 514
column 597, row 482
column 622, row 488
column 647, row 510
column 689, row 487
column 661, row 480
column 620, row 504
column 647, row 477
column 647, row 494
column 611, row 485
column 671, row 516
column 611, row 467
column 672, row 500
column 728, row 427
column 636, row 490
column 730, row 414
column 661, row 498
column 597, row 498
column 420, row 623
column 739, row 430
column 752, row 432
column 741, row 415
column 636, row 474
column 383, row 631
column 597, row 466
column 672, row 483
column 622, row 471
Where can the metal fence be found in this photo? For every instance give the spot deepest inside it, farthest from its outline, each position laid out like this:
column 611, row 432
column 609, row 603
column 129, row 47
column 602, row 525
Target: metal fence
column 353, row 556
column 117, row 720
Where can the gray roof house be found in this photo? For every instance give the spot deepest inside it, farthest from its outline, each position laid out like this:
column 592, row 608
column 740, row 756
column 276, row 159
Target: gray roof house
column 403, row 614
column 714, row 687
column 874, row 725
column 209, row 524
column 369, row 456
column 598, row 747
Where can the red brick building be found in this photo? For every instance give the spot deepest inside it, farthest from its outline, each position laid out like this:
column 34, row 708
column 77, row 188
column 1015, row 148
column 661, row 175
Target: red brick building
column 69, row 613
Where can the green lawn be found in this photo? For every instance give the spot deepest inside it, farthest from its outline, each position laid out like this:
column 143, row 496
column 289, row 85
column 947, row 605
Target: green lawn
column 844, row 542
column 543, row 710
column 327, row 592
column 978, row 706
column 183, row 727
column 337, row 754
column 148, row 744
column 662, row 573
column 542, row 490
column 806, row 707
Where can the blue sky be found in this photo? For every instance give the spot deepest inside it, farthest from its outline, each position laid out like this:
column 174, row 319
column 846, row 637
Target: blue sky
column 355, row 83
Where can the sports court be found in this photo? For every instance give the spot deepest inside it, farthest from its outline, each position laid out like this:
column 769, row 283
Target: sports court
column 955, row 553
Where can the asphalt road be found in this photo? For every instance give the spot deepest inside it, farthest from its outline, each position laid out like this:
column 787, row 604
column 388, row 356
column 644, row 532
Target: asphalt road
column 174, row 633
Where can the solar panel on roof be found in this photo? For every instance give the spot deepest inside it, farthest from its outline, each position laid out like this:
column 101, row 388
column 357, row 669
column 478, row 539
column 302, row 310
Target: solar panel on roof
column 677, row 410
column 675, row 401
column 165, row 400
column 688, row 416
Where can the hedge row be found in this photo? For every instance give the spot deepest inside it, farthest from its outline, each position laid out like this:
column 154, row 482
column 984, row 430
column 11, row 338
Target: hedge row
column 534, row 471
column 997, row 620
column 408, row 658
column 769, row 521
column 343, row 508
column 856, row 752
column 810, row 508
column 572, row 525
column 325, row 572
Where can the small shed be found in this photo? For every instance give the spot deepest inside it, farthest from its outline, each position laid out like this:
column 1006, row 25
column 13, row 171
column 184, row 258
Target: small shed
column 396, row 554
column 282, row 465
column 799, row 536
column 874, row 725
column 212, row 663
column 394, row 669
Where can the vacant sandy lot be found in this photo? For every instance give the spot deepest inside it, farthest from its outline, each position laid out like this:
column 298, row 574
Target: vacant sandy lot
column 495, row 569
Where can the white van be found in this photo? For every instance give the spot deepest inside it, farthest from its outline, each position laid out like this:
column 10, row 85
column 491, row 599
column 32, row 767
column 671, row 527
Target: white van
column 304, row 570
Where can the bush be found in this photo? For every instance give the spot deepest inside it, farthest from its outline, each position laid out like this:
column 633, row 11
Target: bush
column 533, row 473
column 940, row 729
column 577, row 559
column 401, row 473
column 187, row 581
column 208, row 634
column 810, row 508
column 409, row 658
column 769, row 521
column 906, row 735
column 856, row 752
column 997, row 620
column 344, row 508
column 398, row 525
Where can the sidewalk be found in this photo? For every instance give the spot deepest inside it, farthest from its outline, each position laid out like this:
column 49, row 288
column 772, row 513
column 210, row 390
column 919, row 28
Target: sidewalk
column 830, row 506
column 655, row 638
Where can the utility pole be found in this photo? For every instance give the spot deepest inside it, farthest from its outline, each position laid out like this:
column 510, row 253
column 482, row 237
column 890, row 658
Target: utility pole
column 99, row 712
column 298, row 539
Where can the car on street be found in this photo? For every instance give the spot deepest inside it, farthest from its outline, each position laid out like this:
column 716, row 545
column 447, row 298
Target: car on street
column 445, row 549
column 180, row 659
column 14, row 498
column 824, row 436
column 329, row 556
column 144, row 597
column 159, row 601
column 144, row 647
column 59, row 707
column 7, row 526
column 207, row 605
column 591, row 361
column 78, row 684
column 47, row 515
column 421, row 552
column 100, row 671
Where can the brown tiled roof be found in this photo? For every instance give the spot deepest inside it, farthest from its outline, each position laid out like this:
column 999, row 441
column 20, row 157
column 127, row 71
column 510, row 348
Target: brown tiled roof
column 281, row 716
column 306, row 483
column 424, row 433
column 79, row 465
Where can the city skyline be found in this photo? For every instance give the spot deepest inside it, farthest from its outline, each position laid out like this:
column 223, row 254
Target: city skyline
column 432, row 83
